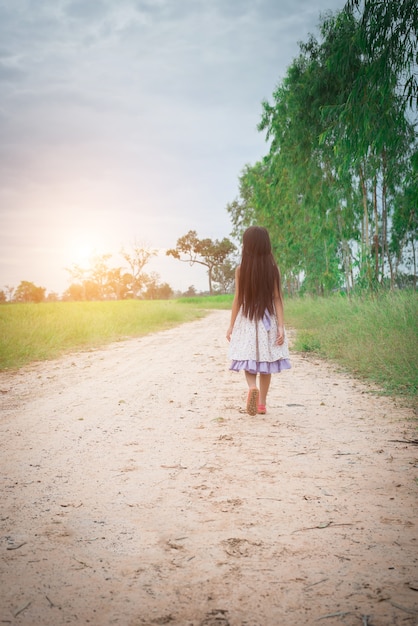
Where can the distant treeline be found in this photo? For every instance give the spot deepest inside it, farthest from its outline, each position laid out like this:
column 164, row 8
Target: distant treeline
column 100, row 281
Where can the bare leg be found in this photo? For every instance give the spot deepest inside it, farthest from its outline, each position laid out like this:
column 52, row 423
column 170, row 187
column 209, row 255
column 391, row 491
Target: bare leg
column 253, row 393
column 251, row 379
column 264, row 387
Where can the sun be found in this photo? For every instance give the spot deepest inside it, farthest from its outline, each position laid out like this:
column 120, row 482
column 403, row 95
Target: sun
column 82, row 249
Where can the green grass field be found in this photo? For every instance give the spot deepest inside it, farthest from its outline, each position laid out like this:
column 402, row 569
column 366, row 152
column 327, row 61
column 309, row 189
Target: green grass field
column 375, row 338
column 33, row 332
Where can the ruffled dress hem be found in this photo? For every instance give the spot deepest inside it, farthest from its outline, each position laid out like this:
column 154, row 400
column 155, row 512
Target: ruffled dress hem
column 261, row 367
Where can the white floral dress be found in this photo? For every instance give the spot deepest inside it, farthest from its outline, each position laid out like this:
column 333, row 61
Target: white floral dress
column 253, row 346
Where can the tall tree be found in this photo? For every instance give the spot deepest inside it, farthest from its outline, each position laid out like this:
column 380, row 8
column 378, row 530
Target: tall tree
column 389, row 31
column 29, row 292
column 369, row 129
column 308, row 187
column 137, row 258
column 99, row 275
column 340, row 144
column 241, row 210
column 404, row 234
column 212, row 254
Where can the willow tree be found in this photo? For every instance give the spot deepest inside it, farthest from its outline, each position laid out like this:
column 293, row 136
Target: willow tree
column 263, row 200
column 388, row 31
column 369, row 128
column 308, row 209
column 404, row 233
column 340, row 149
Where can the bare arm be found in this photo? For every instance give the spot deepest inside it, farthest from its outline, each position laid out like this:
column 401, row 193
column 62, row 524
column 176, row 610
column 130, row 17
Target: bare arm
column 278, row 306
column 235, row 306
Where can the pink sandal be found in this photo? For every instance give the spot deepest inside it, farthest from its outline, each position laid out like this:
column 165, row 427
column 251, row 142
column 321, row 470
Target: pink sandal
column 252, row 401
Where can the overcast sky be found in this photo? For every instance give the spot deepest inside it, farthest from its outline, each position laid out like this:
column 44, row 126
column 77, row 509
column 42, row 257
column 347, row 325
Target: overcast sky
column 131, row 120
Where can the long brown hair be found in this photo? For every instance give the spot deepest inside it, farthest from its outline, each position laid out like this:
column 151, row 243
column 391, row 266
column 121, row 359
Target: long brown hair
column 258, row 275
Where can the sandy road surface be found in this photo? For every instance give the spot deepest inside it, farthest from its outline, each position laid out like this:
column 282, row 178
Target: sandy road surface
column 136, row 491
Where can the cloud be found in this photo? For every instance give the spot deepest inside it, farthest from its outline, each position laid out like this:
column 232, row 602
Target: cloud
column 86, row 11
column 132, row 118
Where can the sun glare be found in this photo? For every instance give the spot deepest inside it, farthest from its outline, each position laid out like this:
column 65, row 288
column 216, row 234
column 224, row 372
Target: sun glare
column 82, row 250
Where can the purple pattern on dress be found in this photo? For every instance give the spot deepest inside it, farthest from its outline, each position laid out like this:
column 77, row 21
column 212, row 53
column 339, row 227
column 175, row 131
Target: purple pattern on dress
column 267, row 321
column 261, row 367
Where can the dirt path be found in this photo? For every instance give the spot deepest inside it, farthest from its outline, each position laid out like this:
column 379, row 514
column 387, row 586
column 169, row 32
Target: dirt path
column 136, row 491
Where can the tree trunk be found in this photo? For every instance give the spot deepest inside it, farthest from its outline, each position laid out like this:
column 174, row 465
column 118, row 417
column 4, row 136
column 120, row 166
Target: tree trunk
column 385, row 247
column 365, row 227
column 376, row 231
column 210, row 280
column 345, row 248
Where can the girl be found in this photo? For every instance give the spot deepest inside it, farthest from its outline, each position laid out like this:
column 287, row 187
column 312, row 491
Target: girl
column 258, row 343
